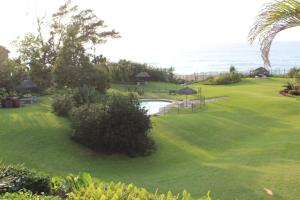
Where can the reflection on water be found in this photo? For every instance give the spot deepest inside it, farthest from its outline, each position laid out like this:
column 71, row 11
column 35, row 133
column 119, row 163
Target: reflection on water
column 153, row 107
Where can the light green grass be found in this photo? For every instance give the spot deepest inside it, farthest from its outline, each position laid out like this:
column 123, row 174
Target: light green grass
column 234, row 147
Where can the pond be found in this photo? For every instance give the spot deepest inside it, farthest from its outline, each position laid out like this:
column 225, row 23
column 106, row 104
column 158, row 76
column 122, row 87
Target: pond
column 154, row 106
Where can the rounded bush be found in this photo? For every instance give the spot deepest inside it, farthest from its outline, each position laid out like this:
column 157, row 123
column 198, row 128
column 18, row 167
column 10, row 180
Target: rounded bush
column 118, row 126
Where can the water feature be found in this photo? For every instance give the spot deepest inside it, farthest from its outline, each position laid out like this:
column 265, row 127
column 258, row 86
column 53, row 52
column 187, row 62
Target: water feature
column 154, row 106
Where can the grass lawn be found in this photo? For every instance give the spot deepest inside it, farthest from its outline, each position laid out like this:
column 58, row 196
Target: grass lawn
column 235, row 147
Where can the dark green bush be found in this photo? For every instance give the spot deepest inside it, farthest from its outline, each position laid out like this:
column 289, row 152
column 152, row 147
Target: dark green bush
column 118, row 126
column 294, row 92
column 15, row 178
column 62, row 104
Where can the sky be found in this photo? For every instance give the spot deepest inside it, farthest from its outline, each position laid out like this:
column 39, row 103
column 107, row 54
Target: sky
column 152, row 27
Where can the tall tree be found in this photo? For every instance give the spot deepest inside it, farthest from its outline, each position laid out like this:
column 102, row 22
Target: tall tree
column 272, row 19
column 73, row 67
column 11, row 74
column 41, row 50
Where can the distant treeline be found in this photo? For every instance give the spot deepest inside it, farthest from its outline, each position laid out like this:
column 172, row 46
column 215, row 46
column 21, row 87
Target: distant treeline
column 126, row 71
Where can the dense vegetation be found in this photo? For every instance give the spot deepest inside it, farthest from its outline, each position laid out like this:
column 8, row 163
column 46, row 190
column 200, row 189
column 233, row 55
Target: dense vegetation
column 118, row 125
column 293, row 71
column 11, row 73
column 22, row 184
column 125, row 71
column 292, row 88
column 15, row 178
column 226, row 78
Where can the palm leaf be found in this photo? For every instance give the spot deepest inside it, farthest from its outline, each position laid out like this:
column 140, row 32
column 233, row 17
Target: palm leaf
column 272, row 19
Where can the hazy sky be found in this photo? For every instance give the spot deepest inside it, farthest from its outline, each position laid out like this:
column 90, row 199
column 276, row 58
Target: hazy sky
column 148, row 26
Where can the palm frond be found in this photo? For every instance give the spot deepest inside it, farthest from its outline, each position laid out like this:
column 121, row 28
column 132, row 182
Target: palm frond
column 272, row 19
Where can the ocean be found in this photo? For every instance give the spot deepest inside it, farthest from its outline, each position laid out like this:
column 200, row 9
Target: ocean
column 218, row 58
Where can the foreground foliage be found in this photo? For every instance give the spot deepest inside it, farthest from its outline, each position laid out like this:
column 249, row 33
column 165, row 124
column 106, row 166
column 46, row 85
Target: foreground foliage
column 119, row 191
column 15, row 178
column 82, row 187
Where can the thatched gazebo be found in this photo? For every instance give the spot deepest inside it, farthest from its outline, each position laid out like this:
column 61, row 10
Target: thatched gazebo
column 142, row 77
column 27, row 85
column 186, row 91
column 260, row 72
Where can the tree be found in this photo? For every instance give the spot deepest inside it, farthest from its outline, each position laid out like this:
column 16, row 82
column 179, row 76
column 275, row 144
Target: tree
column 71, row 63
column 272, row 19
column 35, row 53
column 3, row 54
column 41, row 50
column 232, row 69
column 11, row 74
column 73, row 67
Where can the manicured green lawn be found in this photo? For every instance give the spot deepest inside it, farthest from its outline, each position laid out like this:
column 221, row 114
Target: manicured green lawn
column 235, row 147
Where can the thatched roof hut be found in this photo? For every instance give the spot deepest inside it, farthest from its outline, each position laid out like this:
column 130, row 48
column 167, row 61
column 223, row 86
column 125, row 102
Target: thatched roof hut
column 142, row 75
column 261, row 71
column 187, row 91
column 27, row 84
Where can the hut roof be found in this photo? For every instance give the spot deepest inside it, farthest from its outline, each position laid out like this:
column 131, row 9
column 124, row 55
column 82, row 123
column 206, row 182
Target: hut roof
column 26, row 84
column 187, row 91
column 261, row 70
column 142, row 75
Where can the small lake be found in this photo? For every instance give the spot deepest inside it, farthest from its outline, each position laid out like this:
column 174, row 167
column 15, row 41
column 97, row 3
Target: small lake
column 153, row 106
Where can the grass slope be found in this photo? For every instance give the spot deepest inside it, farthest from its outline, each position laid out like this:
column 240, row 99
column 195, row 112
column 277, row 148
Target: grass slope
column 235, row 148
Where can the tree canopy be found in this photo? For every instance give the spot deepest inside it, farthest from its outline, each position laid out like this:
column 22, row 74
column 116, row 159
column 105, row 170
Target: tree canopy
column 67, row 41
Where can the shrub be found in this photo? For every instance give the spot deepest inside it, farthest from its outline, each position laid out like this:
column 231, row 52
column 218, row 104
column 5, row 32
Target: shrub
column 225, row 79
column 289, row 86
column 62, row 104
column 118, row 126
column 62, row 186
column 86, row 95
column 27, row 195
column 120, row 191
column 294, row 92
column 293, row 71
column 15, row 178
column 297, row 79
column 84, row 186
